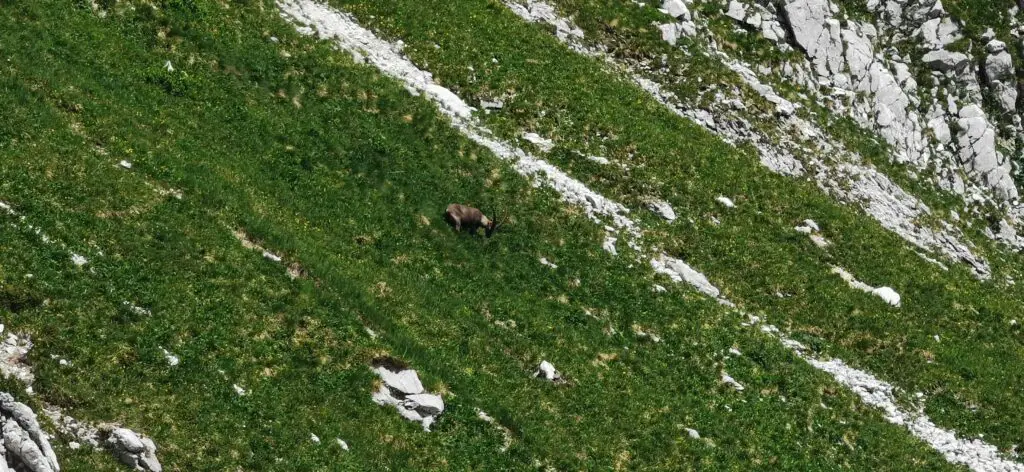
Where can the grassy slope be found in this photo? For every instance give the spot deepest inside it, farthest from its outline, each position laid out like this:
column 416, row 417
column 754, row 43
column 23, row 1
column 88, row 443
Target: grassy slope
column 339, row 185
column 754, row 253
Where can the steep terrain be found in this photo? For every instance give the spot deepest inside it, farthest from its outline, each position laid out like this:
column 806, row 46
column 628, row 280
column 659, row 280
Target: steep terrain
column 773, row 235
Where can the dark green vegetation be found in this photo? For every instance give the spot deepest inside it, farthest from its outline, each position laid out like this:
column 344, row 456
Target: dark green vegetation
column 340, row 170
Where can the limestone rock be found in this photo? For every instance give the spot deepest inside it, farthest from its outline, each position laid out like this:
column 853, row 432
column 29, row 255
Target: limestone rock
column 133, row 450
column 978, row 153
column 547, row 371
column 888, row 295
column 938, row 33
column 677, row 9
column 401, row 388
column 1001, row 75
column 405, row 381
column 662, row 208
column 27, row 446
column 737, row 11
column 945, row 61
column 818, row 34
column 21, row 449
column 425, row 403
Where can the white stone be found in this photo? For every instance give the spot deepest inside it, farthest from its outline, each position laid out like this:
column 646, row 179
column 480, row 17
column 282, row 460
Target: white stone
column 547, row 370
column 609, row 245
column 406, row 381
column 726, row 201
column 945, row 61
column 670, row 33
column 676, row 9
column 544, row 144
column 737, row 10
column 425, row 403
column 78, row 260
column 888, row 295
column 728, row 380
column 680, row 271
column 663, row 209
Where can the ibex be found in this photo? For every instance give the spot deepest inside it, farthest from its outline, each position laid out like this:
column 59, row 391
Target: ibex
column 467, row 218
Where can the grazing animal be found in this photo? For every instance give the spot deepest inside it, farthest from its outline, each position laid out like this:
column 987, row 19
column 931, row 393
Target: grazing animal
column 462, row 217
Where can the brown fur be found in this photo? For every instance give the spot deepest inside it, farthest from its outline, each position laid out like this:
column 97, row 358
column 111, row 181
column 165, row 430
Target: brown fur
column 467, row 218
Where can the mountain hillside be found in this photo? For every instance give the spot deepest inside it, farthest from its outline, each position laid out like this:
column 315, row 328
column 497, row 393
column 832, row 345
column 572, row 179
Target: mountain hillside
column 734, row 235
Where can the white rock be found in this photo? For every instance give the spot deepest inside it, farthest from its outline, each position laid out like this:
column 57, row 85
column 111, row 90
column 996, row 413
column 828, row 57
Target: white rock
column 545, row 262
column 945, row 61
column 492, row 104
column 737, row 10
column 820, row 241
column 425, row 403
column 133, row 450
column 728, row 380
column 314, row 438
column 342, row 444
column 692, row 433
column 406, row 382
column 888, row 295
column 676, row 9
column 670, row 33
column 547, row 370
column 680, row 271
column 78, row 260
column 125, row 164
column 20, row 445
column 663, row 209
column 172, row 360
column 543, row 144
column 726, row 201
column 609, row 245
column 239, row 390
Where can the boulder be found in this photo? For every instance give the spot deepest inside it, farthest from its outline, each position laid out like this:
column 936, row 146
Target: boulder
column 403, row 390
column 547, row 371
column 404, row 381
column 676, row 9
column 945, row 61
column 133, row 450
column 425, row 403
column 737, row 11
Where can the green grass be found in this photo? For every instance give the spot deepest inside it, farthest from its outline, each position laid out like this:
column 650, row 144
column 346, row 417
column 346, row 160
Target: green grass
column 755, row 253
column 340, row 185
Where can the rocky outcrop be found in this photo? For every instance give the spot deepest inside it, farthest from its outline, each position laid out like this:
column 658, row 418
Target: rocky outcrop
column 977, row 140
column 401, row 388
column 25, row 446
column 852, row 58
column 132, row 449
column 1001, row 75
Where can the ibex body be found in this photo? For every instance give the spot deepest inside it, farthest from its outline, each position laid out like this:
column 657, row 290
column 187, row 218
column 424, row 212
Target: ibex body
column 462, row 217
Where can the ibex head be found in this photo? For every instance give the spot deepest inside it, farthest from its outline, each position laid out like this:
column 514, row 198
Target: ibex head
column 471, row 219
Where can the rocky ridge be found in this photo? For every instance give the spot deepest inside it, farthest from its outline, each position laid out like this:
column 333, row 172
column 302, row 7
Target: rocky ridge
column 865, row 75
